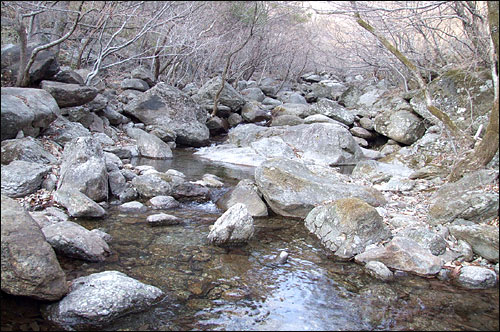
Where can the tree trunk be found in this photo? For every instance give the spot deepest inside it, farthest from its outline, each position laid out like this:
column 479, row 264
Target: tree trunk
column 443, row 117
column 488, row 147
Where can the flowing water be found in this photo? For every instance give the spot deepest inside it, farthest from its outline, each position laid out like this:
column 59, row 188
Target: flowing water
column 212, row 288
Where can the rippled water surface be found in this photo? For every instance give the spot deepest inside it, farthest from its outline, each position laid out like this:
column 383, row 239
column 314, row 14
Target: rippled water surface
column 212, row 288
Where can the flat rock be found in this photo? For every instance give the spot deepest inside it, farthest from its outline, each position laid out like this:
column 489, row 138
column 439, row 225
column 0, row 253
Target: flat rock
column 100, row 298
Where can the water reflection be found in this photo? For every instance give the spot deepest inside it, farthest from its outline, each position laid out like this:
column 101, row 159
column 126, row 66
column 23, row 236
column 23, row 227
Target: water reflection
column 212, row 288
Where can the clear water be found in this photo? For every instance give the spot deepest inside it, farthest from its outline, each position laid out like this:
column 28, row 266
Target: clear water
column 212, row 288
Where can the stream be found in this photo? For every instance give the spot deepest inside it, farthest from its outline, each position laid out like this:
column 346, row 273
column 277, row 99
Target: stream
column 212, row 288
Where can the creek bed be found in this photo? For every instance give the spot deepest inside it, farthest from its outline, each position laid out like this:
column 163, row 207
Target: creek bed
column 212, row 288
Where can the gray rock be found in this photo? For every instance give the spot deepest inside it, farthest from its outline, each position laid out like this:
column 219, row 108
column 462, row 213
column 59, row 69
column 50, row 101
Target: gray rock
column 282, row 258
column 67, row 95
column 134, row 84
column 294, row 189
column 167, row 107
column 163, row 202
column 300, row 110
column 117, row 182
column 21, row 178
column 234, row 227
column 253, row 94
column 482, row 238
column 99, row 299
column 374, row 171
column 115, row 118
column 334, row 110
column 270, row 86
column 404, row 254
column 476, row 277
column 29, row 264
column 29, row 110
column 245, row 192
column 465, row 200
column 68, row 75
column 361, row 132
column 379, row 270
column 271, row 102
column 455, row 90
column 234, row 119
column 366, row 123
column 150, row 146
column 135, row 207
column 103, row 235
column 326, row 89
column 72, row 240
column 346, row 226
column 63, row 131
column 142, row 74
column 162, row 219
column 83, row 167
column 151, row 185
column 320, row 118
column 78, row 204
column 426, row 238
column 252, row 112
column 402, row 126
column 228, row 97
column 286, row 120
column 217, row 125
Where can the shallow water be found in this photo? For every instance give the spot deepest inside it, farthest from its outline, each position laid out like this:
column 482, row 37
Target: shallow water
column 212, row 288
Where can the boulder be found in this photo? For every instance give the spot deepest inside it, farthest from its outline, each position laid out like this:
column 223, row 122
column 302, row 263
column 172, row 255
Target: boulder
column 63, row 131
column 134, row 84
column 169, row 108
column 83, row 167
column 253, row 94
column 134, row 207
column 68, row 75
column 29, row 110
column 162, row 219
column 321, row 143
column 476, row 277
column 252, row 112
column 286, row 120
column 245, row 192
column 379, row 270
column 150, row 146
column 404, row 254
column 234, row 227
column 326, row 89
column 100, row 298
column 142, row 74
column 346, row 226
column 44, row 67
column 228, row 97
column 403, row 126
column 72, row 240
column 333, row 110
column 464, row 199
column 151, row 185
column 300, row 110
column 293, row 189
column 78, row 204
column 67, row 95
column 482, row 238
column 426, row 239
column 29, row 264
column 21, row 178
column 270, row 86
column 465, row 95
column 163, row 202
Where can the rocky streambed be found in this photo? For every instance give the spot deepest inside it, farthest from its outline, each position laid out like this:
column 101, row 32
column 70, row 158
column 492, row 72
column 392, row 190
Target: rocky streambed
column 244, row 288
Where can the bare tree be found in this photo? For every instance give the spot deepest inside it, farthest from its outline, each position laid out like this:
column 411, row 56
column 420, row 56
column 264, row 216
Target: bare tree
column 21, row 13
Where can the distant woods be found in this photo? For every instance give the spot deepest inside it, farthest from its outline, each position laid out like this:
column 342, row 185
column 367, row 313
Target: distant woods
column 191, row 41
